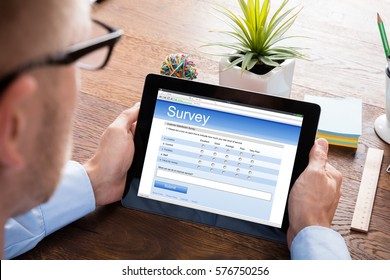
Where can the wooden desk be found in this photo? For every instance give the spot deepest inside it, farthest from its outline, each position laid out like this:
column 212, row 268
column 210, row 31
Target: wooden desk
column 346, row 60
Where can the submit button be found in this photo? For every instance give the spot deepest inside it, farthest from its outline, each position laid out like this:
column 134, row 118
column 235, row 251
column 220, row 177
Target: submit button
column 170, row 187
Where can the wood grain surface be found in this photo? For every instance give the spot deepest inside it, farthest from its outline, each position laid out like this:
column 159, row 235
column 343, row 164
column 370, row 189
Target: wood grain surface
column 346, row 59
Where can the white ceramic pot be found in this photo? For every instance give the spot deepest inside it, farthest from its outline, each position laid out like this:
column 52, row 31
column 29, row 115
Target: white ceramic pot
column 276, row 82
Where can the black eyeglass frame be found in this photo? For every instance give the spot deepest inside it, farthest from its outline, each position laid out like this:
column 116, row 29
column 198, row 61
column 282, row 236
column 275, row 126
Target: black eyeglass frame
column 71, row 54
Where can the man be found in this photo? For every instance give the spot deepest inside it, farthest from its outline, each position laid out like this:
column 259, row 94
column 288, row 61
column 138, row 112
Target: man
column 312, row 204
column 37, row 99
column 42, row 42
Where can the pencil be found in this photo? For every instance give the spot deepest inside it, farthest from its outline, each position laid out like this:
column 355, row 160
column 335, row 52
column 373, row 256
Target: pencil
column 383, row 36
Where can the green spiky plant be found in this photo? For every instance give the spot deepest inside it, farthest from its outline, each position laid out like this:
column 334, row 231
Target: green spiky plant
column 257, row 33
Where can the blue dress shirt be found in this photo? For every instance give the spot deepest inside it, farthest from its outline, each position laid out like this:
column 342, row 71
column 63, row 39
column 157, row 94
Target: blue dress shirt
column 319, row 243
column 74, row 199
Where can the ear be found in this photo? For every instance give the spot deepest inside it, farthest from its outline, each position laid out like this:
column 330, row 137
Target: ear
column 12, row 120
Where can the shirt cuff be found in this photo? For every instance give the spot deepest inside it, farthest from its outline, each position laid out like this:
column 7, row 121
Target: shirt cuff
column 319, row 243
column 73, row 199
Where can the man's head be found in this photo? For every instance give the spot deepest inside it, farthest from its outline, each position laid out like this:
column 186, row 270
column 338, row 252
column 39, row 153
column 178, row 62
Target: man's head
column 36, row 107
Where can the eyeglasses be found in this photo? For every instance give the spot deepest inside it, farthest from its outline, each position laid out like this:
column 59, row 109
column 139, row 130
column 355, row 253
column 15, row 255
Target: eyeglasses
column 92, row 54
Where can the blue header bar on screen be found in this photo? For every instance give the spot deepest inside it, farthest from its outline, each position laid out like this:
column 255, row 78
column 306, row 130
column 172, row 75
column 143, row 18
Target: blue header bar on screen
column 227, row 122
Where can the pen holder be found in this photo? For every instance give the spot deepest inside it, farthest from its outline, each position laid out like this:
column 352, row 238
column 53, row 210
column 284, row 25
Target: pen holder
column 382, row 123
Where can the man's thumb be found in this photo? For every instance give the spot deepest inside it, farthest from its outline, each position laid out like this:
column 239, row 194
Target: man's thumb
column 319, row 153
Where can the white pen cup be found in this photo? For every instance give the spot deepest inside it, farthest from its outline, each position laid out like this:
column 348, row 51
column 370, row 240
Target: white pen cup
column 382, row 123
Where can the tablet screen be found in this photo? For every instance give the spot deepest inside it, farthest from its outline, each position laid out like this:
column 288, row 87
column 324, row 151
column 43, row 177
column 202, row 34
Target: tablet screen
column 221, row 157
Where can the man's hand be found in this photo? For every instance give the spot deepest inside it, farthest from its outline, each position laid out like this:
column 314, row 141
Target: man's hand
column 314, row 197
column 107, row 169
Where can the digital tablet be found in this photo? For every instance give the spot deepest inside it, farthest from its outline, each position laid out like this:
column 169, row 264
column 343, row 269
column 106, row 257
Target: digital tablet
column 218, row 156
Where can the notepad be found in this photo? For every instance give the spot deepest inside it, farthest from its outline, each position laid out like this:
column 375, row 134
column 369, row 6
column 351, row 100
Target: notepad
column 340, row 121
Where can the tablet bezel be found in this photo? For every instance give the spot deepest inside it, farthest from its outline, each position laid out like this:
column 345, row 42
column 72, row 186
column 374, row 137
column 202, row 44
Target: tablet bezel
column 154, row 82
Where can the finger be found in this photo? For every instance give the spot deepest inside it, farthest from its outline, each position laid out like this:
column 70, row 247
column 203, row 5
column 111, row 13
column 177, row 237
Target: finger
column 133, row 127
column 336, row 177
column 334, row 174
column 127, row 117
column 319, row 154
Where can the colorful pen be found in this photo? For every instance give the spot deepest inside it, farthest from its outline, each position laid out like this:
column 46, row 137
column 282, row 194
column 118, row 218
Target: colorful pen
column 383, row 36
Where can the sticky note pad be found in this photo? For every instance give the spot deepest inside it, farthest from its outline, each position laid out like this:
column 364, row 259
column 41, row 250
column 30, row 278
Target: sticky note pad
column 340, row 121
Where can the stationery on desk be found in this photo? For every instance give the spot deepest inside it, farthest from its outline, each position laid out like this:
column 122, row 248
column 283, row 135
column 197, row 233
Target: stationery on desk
column 382, row 32
column 340, row 121
column 382, row 123
column 385, row 42
column 365, row 200
column 367, row 190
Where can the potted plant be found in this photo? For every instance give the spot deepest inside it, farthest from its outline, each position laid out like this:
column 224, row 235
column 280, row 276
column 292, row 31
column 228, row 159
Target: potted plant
column 256, row 60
